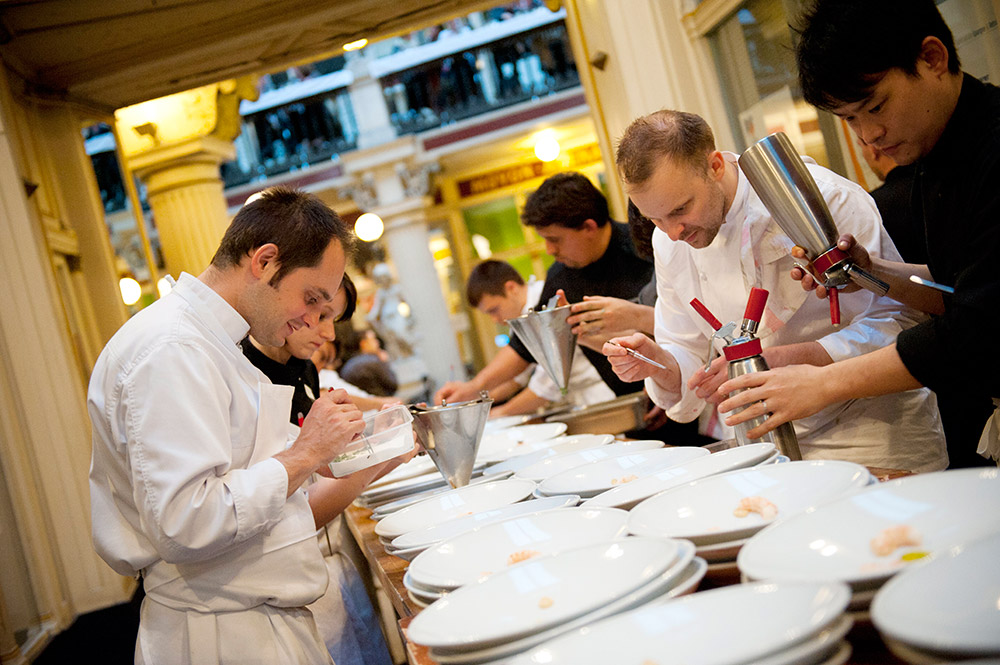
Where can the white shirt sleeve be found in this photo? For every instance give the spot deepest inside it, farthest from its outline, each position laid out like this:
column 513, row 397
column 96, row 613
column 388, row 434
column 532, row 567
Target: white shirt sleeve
column 193, row 503
column 676, row 333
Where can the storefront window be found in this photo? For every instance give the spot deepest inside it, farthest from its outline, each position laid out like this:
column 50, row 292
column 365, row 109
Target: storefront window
column 756, row 62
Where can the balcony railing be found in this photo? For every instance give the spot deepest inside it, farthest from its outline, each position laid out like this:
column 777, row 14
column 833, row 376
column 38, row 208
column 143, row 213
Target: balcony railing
column 430, row 79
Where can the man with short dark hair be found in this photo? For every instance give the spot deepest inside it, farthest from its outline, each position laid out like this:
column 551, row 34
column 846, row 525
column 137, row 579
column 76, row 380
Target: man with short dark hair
column 890, row 69
column 496, row 289
column 715, row 241
column 195, row 481
column 596, row 268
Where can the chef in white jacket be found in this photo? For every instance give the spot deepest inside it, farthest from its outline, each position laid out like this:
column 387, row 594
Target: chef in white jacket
column 496, row 289
column 194, row 483
column 714, row 242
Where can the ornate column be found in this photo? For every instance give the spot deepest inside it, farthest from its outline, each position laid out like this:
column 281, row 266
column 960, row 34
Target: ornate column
column 185, row 192
column 371, row 113
column 392, row 181
column 175, row 145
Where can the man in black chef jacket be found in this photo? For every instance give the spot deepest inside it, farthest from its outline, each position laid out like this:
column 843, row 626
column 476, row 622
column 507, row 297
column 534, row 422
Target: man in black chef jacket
column 594, row 257
column 890, row 69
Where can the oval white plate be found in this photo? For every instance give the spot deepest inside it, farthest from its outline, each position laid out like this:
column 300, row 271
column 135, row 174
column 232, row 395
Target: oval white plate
column 417, row 466
column 541, row 593
column 597, row 477
column 563, row 444
column 424, row 538
column 630, row 494
column 504, row 422
column 948, row 604
column 678, row 580
column 484, row 551
column 703, row 511
column 390, row 507
column 453, row 504
column 550, row 466
column 728, row 626
column 539, row 432
column 833, row 542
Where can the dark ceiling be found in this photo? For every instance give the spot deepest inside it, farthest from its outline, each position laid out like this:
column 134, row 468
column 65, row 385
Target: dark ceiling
column 106, row 54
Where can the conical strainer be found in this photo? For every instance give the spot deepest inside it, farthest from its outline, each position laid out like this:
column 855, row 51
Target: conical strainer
column 450, row 434
column 550, row 340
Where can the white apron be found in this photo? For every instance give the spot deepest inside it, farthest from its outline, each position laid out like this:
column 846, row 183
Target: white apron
column 247, row 605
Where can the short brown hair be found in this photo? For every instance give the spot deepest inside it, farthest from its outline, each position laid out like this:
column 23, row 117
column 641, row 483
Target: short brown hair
column 299, row 224
column 489, row 277
column 566, row 199
column 684, row 137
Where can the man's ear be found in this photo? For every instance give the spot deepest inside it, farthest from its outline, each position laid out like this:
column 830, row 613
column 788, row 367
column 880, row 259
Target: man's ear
column 510, row 287
column 264, row 261
column 934, row 56
column 716, row 165
column 589, row 225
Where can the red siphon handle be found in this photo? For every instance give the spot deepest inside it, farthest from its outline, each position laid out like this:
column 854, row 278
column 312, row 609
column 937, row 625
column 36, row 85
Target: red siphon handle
column 834, row 296
column 705, row 314
column 755, row 305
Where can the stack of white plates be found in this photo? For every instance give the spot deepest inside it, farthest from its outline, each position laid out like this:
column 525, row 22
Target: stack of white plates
column 589, row 480
column 550, row 466
column 945, row 608
column 478, row 553
column 535, row 600
column 719, row 513
column 629, row 495
column 504, row 422
column 453, row 504
column 409, row 481
column 501, row 444
column 866, row 538
column 550, row 448
column 383, row 509
column 763, row 624
column 409, row 545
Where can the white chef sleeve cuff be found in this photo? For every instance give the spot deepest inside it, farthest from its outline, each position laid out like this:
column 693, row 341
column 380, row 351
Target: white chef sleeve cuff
column 680, row 407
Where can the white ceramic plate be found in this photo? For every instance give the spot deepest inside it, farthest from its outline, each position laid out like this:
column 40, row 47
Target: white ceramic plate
column 722, row 552
column 563, row 444
column 627, row 496
column 503, row 422
column 704, row 511
column 834, row 541
column 384, row 509
column 454, row 504
column 541, row 593
column 424, row 538
column 417, row 466
column 728, row 626
column 669, row 585
column 479, row 553
column 550, row 466
column 950, row 604
column 597, row 477
column 816, row 649
column 539, row 432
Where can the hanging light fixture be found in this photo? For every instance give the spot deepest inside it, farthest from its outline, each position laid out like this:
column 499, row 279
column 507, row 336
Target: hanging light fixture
column 369, row 227
column 546, row 146
column 131, row 290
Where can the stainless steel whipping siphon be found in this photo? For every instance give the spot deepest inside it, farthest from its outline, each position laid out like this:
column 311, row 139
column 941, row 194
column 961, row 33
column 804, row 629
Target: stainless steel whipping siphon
column 744, row 356
column 788, row 191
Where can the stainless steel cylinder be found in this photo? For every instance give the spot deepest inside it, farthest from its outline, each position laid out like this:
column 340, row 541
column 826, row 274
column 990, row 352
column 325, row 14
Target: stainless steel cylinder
column 783, row 437
column 788, row 191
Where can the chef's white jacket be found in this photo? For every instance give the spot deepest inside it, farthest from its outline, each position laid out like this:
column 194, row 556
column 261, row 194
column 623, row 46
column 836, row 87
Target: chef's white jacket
column 899, row 431
column 184, row 488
